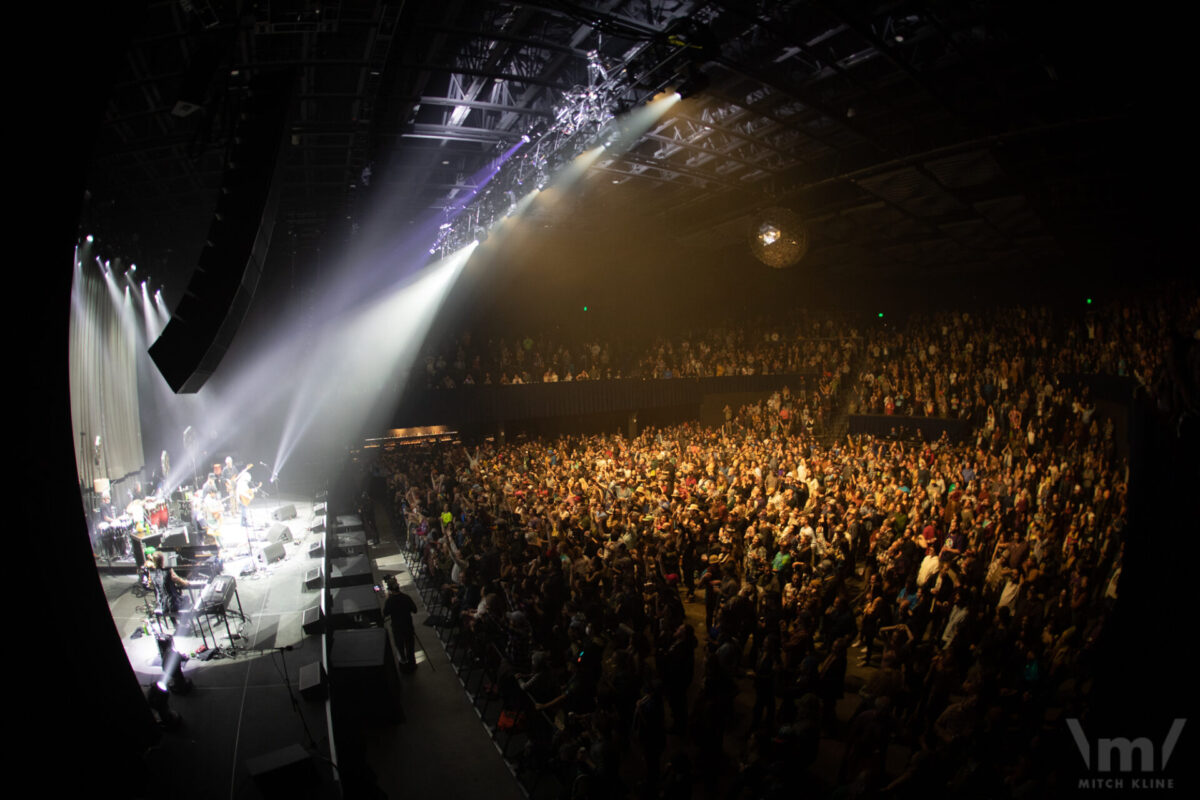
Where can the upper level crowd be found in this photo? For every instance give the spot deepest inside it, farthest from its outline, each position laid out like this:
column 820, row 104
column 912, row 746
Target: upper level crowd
column 993, row 368
column 799, row 345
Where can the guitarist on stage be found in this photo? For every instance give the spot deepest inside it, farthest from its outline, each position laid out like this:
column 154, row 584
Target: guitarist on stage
column 245, row 493
column 230, row 485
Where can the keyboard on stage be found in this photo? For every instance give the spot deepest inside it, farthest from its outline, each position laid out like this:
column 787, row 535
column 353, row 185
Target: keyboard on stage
column 217, row 594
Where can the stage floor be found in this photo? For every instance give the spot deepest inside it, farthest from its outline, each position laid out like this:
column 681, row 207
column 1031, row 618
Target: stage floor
column 241, row 706
column 272, row 596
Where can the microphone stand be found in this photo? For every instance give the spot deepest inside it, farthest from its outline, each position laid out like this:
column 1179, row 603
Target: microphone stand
column 250, row 547
column 292, row 697
column 271, row 480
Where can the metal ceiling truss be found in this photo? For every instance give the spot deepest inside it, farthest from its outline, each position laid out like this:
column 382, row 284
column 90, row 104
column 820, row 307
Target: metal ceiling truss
column 832, row 107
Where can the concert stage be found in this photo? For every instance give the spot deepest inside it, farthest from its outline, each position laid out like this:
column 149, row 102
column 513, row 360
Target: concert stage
column 240, row 708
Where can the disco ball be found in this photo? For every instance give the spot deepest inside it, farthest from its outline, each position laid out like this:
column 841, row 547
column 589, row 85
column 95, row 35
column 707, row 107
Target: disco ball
column 778, row 238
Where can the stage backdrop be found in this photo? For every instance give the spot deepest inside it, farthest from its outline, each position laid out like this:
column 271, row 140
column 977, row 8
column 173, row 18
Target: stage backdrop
column 103, row 365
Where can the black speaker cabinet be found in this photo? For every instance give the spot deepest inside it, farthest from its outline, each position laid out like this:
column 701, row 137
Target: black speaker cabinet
column 222, row 286
column 279, row 533
column 287, row 773
column 312, row 681
column 272, row 553
column 284, row 512
column 312, row 579
column 173, row 541
column 311, row 621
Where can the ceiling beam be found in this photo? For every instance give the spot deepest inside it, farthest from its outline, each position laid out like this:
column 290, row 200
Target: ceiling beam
column 479, row 104
column 459, row 133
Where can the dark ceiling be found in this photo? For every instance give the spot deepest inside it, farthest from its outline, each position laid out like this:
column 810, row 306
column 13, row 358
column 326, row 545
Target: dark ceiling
column 917, row 138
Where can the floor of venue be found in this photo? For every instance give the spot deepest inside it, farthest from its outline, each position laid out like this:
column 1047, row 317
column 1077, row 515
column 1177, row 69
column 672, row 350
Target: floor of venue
column 823, row 771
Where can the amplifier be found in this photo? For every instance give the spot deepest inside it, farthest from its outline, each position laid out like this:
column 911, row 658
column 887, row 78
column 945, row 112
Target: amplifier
column 174, row 540
column 139, row 544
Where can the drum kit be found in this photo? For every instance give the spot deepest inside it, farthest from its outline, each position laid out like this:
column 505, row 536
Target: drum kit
column 141, row 517
column 113, row 537
column 149, row 514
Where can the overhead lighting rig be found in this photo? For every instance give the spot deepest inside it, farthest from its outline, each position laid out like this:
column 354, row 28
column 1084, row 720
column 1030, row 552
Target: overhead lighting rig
column 585, row 117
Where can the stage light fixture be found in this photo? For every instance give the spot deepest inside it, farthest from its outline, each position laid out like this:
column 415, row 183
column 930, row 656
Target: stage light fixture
column 695, row 82
column 159, row 700
column 778, row 237
column 90, row 239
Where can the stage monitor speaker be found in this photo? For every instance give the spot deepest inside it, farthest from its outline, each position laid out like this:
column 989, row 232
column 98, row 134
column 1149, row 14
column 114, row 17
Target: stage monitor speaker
column 222, row 286
column 312, row 622
column 272, row 553
column 316, row 548
column 285, row 774
column 312, row 579
column 279, row 533
column 312, row 681
column 284, row 512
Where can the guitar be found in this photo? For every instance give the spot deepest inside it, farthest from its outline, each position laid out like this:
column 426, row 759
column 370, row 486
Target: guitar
column 246, row 496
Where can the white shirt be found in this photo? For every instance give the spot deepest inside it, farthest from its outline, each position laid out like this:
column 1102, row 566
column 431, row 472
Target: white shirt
column 928, row 566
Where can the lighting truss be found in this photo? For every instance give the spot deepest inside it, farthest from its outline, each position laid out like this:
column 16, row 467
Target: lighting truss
column 584, row 117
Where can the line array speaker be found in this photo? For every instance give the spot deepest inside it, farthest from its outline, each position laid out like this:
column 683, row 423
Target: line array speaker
column 218, row 296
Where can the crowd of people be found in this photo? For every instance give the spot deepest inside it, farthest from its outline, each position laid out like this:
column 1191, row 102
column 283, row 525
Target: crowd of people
column 969, row 579
column 714, row 607
column 991, row 368
column 995, row 369
column 799, row 345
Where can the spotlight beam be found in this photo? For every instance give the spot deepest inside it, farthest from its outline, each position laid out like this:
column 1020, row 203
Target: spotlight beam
column 354, row 374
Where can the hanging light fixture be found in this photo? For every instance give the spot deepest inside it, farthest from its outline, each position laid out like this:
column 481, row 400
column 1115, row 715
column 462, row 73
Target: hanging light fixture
column 778, row 237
